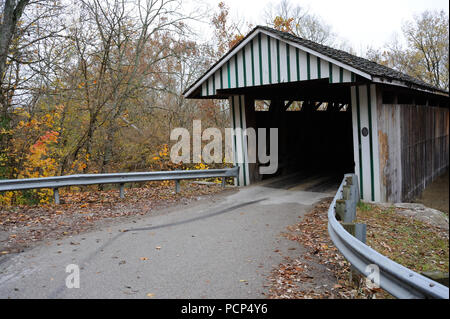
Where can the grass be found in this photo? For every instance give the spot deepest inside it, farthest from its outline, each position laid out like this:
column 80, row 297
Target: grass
column 411, row 243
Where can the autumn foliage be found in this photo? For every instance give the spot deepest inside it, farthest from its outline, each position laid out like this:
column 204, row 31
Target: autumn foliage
column 107, row 95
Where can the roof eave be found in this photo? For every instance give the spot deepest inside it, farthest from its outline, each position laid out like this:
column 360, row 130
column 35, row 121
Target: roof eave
column 417, row 87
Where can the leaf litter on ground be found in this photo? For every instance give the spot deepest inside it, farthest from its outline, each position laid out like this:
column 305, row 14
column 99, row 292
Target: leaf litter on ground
column 414, row 244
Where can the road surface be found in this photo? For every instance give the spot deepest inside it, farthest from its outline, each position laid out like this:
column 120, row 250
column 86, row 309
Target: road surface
column 219, row 247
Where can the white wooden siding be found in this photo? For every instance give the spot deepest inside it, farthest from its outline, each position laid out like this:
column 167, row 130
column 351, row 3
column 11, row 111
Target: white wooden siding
column 282, row 66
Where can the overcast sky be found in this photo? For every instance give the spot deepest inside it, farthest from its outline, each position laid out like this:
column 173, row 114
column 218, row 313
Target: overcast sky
column 360, row 23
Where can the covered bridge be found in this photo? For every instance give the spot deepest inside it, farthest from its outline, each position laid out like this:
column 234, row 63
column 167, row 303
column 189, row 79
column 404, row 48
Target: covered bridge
column 334, row 111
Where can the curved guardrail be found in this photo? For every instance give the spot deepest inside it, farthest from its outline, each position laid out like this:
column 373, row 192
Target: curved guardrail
column 114, row 178
column 398, row 280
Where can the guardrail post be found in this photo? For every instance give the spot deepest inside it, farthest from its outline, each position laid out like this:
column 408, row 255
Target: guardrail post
column 361, row 232
column 122, row 190
column 358, row 231
column 223, row 182
column 356, row 185
column 346, row 210
column 177, row 186
column 56, row 195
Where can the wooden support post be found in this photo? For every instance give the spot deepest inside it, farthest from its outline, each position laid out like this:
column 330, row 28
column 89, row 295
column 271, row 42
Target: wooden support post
column 224, row 182
column 56, row 195
column 358, row 231
column 122, row 190
column 177, row 186
column 346, row 192
column 361, row 232
column 340, row 210
column 345, row 210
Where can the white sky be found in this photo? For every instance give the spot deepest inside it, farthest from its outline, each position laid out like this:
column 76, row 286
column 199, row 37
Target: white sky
column 361, row 23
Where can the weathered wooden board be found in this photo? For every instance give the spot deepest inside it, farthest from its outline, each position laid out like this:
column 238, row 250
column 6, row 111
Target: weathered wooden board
column 414, row 148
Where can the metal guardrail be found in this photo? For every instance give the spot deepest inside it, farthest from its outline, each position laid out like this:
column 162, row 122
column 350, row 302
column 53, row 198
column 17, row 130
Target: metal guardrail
column 114, row 178
column 398, row 280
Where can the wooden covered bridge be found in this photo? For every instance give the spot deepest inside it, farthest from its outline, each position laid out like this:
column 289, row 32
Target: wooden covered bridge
column 334, row 111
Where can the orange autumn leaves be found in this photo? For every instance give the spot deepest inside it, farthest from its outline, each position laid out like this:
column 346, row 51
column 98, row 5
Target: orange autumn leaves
column 32, row 150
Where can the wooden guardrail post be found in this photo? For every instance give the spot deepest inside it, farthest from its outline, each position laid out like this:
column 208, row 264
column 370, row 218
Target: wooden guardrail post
column 177, row 186
column 56, row 195
column 358, row 231
column 223, row 182
column 122, row 190
column 346, row 210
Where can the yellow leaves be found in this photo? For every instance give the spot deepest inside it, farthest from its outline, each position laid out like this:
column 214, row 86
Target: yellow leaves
column 150, row 295
column 3, row 131
column 282, row 24
column 33, row 141
column 83, row 206
column 201, row 166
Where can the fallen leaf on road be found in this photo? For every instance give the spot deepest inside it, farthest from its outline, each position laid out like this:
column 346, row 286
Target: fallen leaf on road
column 158, row 247
column 143, row 258
column 150, row 295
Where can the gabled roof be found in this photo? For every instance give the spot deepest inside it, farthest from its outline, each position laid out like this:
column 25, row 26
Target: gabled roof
column 342, row 60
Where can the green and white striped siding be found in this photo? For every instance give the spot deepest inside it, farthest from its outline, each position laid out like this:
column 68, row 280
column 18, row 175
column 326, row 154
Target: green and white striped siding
column 367, row 166
column 240, row 149
column 266, row 60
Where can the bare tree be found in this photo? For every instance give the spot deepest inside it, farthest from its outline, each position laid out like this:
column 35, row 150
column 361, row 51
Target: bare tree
column 297, row 20
column 27, row 57
column 118, row 50
column 426, row 55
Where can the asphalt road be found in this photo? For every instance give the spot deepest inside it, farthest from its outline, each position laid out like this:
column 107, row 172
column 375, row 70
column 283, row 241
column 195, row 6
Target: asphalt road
column 219, row 247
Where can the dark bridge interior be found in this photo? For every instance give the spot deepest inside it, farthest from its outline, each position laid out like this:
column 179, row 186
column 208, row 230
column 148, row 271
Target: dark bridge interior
column 314, row 121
